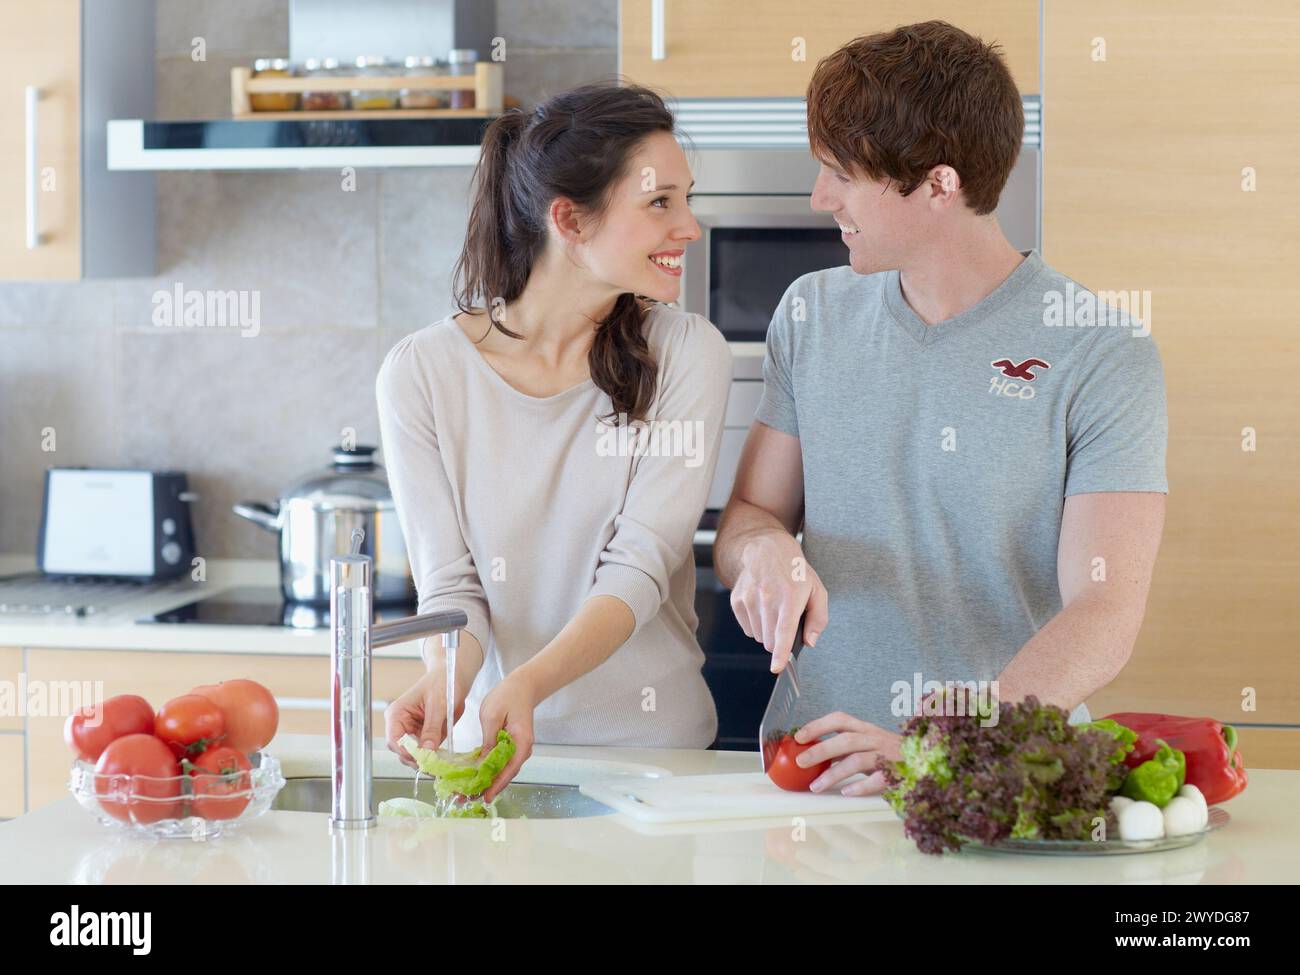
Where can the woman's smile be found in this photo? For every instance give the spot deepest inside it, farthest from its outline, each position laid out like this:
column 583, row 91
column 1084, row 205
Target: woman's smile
column 670, row 262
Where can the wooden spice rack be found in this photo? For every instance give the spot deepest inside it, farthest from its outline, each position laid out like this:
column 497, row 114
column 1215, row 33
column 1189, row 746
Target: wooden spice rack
column 486, row 82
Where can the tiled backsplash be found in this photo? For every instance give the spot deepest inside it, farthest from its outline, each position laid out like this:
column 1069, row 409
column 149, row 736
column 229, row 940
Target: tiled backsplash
column 340, row 273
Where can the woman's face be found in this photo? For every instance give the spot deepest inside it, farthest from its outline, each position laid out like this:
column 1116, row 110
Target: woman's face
column 638, row 243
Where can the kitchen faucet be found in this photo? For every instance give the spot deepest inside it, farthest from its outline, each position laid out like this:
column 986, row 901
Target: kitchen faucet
column 353, row 637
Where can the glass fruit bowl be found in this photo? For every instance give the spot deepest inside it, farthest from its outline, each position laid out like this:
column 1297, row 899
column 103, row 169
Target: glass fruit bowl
column 189, row 807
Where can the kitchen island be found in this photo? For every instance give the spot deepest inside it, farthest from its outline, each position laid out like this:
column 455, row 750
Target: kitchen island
column 62, row 843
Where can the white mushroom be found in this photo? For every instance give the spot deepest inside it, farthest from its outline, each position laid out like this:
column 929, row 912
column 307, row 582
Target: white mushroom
column 1182, row 816
column 1141, row 821
column 1195, row 794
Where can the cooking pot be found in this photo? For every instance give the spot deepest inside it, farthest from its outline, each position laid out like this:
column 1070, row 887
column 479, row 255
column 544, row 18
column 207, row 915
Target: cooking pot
column 315, row 519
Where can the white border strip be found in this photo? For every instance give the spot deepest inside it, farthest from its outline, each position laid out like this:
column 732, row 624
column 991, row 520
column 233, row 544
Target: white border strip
column 126, row 152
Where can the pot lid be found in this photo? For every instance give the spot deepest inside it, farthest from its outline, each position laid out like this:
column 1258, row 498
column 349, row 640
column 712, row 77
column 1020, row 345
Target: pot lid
column 352, row 479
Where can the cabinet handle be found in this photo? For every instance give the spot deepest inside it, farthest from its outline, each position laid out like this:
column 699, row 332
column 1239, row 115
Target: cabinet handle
column 33, row 94
column 657, row 30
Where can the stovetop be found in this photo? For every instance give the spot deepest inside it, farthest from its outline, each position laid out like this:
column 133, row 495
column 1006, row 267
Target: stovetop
column 34, row 594
column 263, row 606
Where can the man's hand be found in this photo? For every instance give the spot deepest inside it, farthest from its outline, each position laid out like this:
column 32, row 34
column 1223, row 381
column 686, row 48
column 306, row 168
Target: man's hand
column 756, row 546
column 775, row 586
column 854, row 746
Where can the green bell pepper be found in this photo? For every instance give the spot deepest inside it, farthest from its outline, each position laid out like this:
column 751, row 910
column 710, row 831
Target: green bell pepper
column 1158, row 779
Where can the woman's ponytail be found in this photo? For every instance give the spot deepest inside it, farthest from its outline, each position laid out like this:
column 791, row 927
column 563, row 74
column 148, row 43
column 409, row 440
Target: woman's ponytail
column 484, row 269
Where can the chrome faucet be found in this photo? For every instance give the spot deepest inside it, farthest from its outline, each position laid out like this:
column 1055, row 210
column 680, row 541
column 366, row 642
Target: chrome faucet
column 353, row 637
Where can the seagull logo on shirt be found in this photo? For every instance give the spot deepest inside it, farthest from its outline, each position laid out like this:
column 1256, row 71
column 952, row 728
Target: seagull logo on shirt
column 1020, row 371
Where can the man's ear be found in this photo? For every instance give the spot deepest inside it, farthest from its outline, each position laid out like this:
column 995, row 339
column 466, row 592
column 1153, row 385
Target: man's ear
column 944, row 181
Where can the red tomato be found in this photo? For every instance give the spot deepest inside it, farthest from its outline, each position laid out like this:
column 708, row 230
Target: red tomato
column 784, row 771
column 249, row 709
column 190, row 724
column 89, row 731
column 216, row 774
column 156, row 778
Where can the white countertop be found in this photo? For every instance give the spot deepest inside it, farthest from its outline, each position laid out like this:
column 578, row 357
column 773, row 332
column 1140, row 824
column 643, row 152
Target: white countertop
column 119, row 628
column 62, row 843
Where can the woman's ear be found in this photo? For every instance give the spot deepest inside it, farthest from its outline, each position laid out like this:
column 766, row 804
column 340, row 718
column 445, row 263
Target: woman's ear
column 567, row 220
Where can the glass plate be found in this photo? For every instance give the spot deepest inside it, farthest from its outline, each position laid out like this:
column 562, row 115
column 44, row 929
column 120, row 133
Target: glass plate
column 1218, row 819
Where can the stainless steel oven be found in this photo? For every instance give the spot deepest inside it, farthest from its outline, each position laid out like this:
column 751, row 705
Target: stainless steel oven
column 758, row 233
column 752, row 247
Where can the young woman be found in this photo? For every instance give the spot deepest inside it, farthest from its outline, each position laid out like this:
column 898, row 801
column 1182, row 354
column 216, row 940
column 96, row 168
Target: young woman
column 550, row 448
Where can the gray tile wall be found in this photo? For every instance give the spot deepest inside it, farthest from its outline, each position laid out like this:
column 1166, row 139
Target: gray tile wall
column 341, row 276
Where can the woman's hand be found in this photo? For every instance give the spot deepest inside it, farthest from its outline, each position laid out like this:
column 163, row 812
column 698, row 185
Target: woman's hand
column 422, row 710
column 509, row 705
column 854, row 746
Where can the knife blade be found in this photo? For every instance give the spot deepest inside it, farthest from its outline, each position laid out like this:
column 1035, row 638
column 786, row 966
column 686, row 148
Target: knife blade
column 783, row 704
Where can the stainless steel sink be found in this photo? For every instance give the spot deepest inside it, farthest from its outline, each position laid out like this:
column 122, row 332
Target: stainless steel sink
column 518, row 800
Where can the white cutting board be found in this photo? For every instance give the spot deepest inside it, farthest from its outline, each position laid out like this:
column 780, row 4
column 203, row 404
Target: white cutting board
column 739, row 795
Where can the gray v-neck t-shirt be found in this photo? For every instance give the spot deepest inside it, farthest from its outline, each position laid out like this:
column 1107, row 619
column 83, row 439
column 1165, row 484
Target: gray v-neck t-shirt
column 936, row 462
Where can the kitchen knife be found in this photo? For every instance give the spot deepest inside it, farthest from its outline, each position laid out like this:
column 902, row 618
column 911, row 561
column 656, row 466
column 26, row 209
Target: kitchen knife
column 784, row 702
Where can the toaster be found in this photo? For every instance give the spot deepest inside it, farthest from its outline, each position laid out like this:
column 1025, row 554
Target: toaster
column 124, row 523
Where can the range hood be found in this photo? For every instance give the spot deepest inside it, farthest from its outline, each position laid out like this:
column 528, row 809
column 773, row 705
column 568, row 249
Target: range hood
column 314, row 144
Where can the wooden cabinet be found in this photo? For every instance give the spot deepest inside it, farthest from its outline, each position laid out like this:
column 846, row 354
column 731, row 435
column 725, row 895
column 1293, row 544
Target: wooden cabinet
column 1148, row 158
column 1269, row 747
column 744, row 48
column 64, row 215
column 42, row 49
column 11, row 734
column 11, row 665
column 300, row 684
column 11, row 775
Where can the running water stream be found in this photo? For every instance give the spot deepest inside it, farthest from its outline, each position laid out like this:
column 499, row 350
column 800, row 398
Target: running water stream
column 449, row 745
column 449, row 642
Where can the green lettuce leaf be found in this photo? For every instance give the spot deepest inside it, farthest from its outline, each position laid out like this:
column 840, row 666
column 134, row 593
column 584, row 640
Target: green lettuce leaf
column 920, row 757
column 1125, row 738
column 407, row 807
column 465, row 774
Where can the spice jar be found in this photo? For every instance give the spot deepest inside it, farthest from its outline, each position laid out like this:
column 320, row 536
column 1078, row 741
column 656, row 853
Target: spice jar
column 323, row 101
column 374, row 66
column 462, row 61
column 273, row 101
column 423, row 97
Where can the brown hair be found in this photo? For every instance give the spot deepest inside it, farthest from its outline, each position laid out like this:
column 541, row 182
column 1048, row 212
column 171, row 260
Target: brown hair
column 576, row 145
column 894, row 105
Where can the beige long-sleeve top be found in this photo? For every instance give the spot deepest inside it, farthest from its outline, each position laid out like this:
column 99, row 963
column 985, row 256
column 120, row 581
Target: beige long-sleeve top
column 517, row 509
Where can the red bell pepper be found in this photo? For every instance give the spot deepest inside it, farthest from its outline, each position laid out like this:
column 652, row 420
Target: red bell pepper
column 1213, row 763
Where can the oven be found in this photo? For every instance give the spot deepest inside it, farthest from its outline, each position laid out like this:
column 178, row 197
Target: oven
column 758, row 233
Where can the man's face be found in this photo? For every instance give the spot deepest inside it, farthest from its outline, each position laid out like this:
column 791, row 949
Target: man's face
column 878, row 226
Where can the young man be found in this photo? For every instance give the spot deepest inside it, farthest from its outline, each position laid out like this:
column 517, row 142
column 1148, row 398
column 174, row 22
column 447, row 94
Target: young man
column 980, row 478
